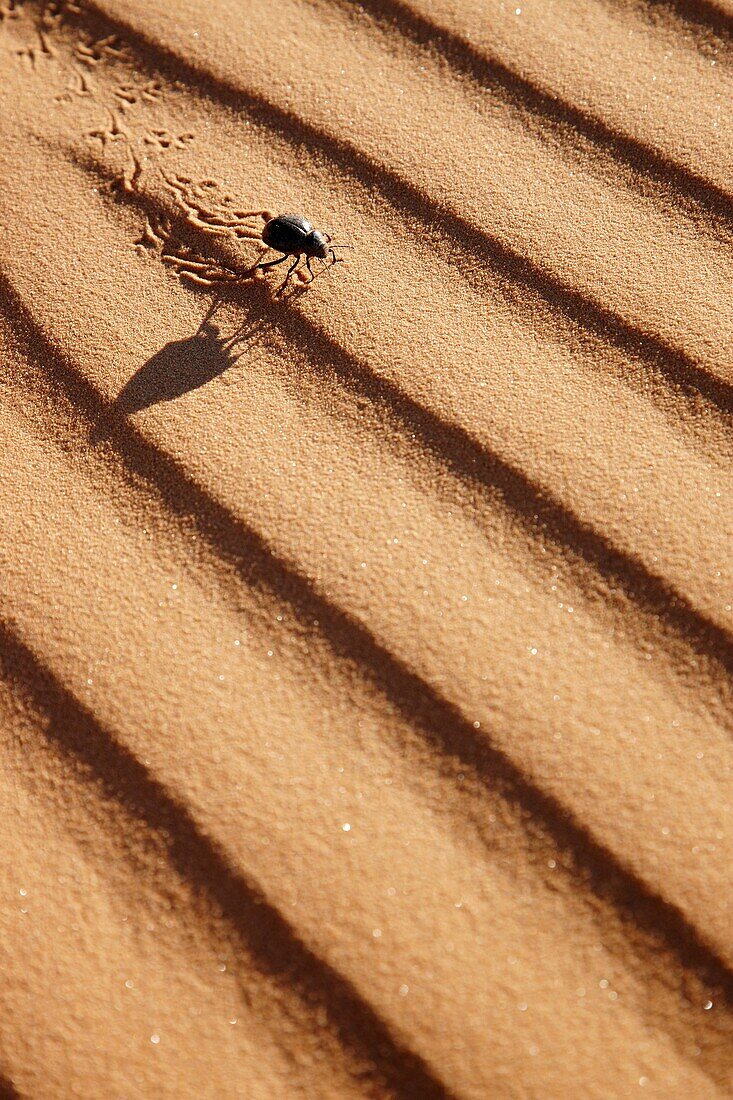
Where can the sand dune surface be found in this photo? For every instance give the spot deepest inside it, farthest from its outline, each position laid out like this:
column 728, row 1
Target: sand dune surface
column 365, row 650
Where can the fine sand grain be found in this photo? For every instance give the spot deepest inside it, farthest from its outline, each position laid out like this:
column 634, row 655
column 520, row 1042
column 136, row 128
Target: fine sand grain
column 365, row 653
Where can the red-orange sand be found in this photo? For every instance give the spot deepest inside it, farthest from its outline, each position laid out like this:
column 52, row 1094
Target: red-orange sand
column 365, row 652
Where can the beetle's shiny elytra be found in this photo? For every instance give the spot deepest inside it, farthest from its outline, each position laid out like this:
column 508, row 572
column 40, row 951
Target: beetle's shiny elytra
column 293, row 235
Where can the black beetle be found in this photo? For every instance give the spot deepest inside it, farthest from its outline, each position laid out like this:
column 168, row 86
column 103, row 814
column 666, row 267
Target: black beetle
column 295, row 236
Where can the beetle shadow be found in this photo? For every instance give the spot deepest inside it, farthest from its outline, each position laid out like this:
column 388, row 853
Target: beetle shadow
column 185, row 365
column 181, row 366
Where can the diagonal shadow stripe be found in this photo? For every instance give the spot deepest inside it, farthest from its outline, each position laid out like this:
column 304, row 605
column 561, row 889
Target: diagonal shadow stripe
column 200, row 861
column 7, row 1089
column 422, row 705
column 554, row 110
column 678, row 370
column 703, row 15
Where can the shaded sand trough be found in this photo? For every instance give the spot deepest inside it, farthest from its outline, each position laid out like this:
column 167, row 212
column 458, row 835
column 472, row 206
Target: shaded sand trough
column 365, row 656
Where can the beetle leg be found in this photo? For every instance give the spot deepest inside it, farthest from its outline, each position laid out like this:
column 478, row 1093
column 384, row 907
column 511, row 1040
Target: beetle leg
column 285, row 282
column 310, row 269
column 271, row 263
